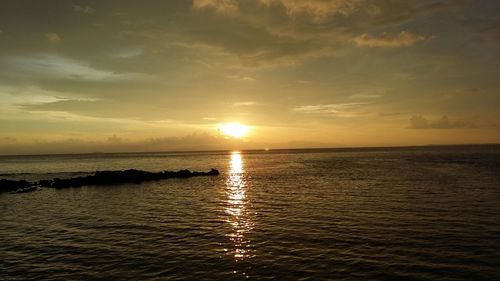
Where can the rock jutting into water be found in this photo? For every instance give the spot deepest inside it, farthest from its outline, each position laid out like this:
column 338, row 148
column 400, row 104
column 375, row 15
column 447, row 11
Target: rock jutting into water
column 100, row 178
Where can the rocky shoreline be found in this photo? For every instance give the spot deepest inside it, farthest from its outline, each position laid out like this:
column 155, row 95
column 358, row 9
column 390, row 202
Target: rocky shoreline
column 100, row 178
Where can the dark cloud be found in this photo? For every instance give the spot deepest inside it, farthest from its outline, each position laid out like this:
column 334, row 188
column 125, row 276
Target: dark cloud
column 260, row 30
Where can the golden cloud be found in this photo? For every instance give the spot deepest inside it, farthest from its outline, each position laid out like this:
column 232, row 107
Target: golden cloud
column 386, row 40
column 219, row 6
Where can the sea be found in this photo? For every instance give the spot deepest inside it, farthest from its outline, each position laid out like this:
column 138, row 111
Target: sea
column 402, row 213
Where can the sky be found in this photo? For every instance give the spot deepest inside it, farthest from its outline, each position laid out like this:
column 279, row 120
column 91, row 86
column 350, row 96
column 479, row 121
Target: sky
column 113, row 76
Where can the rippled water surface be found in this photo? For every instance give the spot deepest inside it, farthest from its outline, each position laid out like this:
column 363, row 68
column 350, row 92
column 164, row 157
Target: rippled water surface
column 416, row 214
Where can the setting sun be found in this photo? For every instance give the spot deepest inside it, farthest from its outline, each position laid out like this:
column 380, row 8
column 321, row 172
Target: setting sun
column 234, row 130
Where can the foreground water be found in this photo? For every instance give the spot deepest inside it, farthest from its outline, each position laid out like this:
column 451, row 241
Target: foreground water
column 394, row 214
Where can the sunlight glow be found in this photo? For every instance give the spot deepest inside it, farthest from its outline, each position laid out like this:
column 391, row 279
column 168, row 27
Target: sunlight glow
column 234, row 130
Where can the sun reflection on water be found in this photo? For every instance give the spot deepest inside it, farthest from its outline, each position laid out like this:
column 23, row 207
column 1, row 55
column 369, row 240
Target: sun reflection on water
column 236, row 207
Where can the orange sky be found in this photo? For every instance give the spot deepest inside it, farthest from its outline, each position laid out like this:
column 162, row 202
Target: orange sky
column 102, row 76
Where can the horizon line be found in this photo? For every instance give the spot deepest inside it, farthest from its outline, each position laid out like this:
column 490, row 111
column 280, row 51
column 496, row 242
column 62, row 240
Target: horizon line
column 264, row 150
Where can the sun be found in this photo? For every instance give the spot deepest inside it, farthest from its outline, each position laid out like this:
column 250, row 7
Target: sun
column 234, row 130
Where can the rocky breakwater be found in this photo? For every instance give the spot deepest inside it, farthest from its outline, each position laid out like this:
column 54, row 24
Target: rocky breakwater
column 100, row 178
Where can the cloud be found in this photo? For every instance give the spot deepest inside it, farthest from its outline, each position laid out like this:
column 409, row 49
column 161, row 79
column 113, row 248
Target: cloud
column 290, row 32
column 115, row 139
column 83, row 9
column 55, row 66
column 311, row 11
column 53, row 38
column 338, row 109
column 386, row 40
column 7, row 140
column 242, row 78
column 362, row 96
column 318, row 11
column 388, row 114
column 244, row 103
column 195, row 141
column 420, row 122
column 71, row 106
column 219, row 6
column 91, row 108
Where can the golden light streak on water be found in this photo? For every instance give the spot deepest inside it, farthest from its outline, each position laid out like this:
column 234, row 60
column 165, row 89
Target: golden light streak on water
column 238, row 217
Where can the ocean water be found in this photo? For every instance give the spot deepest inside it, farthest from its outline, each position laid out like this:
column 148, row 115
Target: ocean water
column 360, row 214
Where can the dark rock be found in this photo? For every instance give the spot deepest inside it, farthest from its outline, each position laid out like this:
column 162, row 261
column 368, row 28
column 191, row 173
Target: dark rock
column 12, row 185
column 102, row 178
column 45, row 183
column 213, row 172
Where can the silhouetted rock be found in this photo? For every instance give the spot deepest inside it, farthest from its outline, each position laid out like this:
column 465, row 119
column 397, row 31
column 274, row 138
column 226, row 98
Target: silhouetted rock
column 213, row 172
column 12, row 185
column 101, row 178
column 45, row 183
